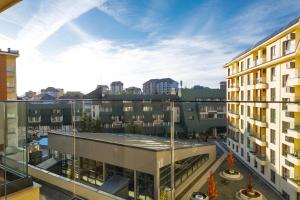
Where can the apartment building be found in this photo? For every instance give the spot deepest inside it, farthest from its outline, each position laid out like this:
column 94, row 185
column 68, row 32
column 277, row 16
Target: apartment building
column 8, row 74
column 160, row 86
column 54, row 92
column 116, row 87
column 5, row 4
column 133, row 90
column 263, row 133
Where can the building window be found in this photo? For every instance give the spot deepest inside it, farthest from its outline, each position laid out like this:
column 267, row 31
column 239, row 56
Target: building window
column 242, row 138
column 242, row 80
column 242, row 65
column 273, row 52
column 242, row 124
column 272, row 136
column 242, row 96
column 285, row 195
column 272, row 156
column 242, row 109
column 273, row 94
column 284, row 80
column 273, row 74
column 262, row 169
column 249, row 95
column 286, row 47
column 249, row 79
column 273, row 115
column 285, row 126
column 248, row 111
column 273, row 176
column 248, row 63
column 242, row 152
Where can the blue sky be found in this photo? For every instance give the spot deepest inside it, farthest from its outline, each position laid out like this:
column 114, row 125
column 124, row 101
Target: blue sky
column 77, row 44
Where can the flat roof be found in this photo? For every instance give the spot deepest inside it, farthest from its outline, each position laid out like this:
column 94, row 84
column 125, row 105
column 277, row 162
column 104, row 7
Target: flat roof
column 145, row 142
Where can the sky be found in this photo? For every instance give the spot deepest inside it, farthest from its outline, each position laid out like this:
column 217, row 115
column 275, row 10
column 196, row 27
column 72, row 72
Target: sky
column 79, row 44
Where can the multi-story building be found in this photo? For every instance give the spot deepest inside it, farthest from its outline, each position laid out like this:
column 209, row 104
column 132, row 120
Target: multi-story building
column 5, row 4
column 203, row 111
column 160, row 86
column 8, row 74
column 116, row 87
column 54, row 92
column 264, row 133
column 133, row 90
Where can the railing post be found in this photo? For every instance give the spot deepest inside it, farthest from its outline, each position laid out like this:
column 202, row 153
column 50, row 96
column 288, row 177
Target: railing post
column 172, row 150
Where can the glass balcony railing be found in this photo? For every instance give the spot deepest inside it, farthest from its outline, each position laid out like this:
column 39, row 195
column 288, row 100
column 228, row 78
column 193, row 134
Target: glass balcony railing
column 100, row 148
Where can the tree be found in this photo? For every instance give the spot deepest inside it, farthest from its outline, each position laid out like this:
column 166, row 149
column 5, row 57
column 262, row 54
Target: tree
column 97, row 127
column 230, row 161
column 250, row 185
column 212, row 189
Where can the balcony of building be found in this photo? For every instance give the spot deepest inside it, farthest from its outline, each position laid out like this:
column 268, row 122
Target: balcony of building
column 234, row 87
column 261, row 83
column 294, row 132
column 258, row 136
column 293, row 78
column 294, row 157
column 295, row 183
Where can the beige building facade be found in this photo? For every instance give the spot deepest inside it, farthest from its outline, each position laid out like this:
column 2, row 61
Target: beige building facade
column 263, row 84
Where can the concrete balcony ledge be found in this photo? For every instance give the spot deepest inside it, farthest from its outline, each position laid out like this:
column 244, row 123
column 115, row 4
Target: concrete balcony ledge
column 293, row 107
column 234, row 114
column 257, row 140
column 294, row 133
column 233, row 89
column 295, row 183
column 233, row 128
column 262, row 160
column 294, row 159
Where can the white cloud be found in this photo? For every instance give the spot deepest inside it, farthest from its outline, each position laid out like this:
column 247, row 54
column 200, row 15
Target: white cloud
column 51, row 16
column 82, row 67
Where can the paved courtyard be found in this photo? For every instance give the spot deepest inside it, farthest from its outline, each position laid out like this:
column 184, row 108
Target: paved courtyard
column 227, row 190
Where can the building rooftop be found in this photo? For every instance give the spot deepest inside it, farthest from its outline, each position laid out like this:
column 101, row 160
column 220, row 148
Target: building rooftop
column 293, row 22
column 133, row 140
column 9, row 52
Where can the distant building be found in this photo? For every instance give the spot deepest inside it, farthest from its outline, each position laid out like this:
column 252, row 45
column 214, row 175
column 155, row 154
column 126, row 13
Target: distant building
column 198, row 87
column 160, row 86
column 30, row 95
column 133, row 90
column 203, row 111
column 56, row 93
column 223, row 85
column 72, row 95
column 104, row 89
column 116, row 87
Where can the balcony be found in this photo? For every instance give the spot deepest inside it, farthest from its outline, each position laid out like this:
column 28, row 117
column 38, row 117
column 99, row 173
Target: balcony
column 294, row 132
column 294, row 158
column 233, row 88
column 234, row 128
column 260, row 120
column 261, row 159
column 293, row 78
column 295, row 183
column 293, row 107
column 260, row 102
column 261, row 83
column 234, row 114
column 256, row 138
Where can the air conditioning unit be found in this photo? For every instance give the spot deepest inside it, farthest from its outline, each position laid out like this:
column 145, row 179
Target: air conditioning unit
column 290, row 65
column 290, row 36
